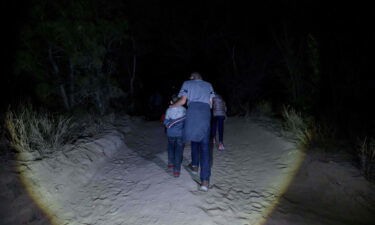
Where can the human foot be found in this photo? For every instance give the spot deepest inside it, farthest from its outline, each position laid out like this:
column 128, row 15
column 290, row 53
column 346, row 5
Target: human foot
column 204, row 186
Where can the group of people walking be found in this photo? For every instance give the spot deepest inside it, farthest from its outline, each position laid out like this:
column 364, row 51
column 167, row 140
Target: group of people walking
column 205, row 113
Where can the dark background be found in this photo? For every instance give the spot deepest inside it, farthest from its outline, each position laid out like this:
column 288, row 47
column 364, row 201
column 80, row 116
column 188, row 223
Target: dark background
column 176, row 38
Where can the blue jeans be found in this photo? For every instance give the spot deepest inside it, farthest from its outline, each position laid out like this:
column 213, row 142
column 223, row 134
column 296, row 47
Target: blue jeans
column 218, row 123
column 200, row 154
column 175, row 152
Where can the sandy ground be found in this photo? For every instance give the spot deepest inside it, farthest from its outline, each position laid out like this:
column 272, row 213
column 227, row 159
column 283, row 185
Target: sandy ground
column 121, row 178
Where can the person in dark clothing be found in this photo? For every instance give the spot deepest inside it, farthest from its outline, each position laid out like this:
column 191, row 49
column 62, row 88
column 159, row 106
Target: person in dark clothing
column 155, row 106
column 198, row 95
column 219, row 110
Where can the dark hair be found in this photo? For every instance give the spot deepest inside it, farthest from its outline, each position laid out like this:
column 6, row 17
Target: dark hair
column 195, row 75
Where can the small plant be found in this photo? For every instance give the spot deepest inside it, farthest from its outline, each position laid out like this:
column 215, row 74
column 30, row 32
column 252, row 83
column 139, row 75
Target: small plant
column 325, row 136
column 300, row 129
column 245, row 109
column 40, row 132
column 366, row 152
column 92, row 125
column 263, row 108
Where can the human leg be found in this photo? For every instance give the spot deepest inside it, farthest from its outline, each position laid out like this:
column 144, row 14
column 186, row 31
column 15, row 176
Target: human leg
column 171, row 147
column 213, row 128
column 205, row 160
column 195, row 153
column 194, row 165
column 179, row 148
column 220, row 122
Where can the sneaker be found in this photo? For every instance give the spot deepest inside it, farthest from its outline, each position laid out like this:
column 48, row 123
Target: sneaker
column 214, row 140
column 204, row 186
column 193, row 169
column 221, row 146
column 176, row 174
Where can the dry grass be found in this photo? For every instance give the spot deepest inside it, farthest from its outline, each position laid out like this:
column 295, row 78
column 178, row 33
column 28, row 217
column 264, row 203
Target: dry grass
column 40, row 132
column 91, row 125
column 300, row 129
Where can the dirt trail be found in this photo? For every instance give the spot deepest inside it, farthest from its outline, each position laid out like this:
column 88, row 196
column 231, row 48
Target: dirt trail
column 131, row 186
column 247, row 178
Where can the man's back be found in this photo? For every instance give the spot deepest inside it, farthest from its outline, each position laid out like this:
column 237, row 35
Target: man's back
column 197, row 91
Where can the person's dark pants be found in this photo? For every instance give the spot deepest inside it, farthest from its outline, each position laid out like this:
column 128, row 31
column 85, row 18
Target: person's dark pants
column 218, row 124
column 175, row 152
column 200, row 156
column 197, row 130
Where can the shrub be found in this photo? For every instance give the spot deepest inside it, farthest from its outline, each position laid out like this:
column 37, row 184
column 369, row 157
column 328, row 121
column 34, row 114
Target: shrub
column 92, row 124
column 366, row 153
column 37, row 132
column 262, row 108
column 325, row 137
column 3, row 145
column 299, row 128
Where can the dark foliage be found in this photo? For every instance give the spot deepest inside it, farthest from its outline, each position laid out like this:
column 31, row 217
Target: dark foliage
column 311, row 55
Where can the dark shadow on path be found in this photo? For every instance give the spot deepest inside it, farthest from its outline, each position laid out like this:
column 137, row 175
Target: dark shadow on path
column 16, row 206
column 321, row 195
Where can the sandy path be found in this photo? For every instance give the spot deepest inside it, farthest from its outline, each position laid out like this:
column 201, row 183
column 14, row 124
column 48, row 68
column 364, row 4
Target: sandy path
column 134, row 188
